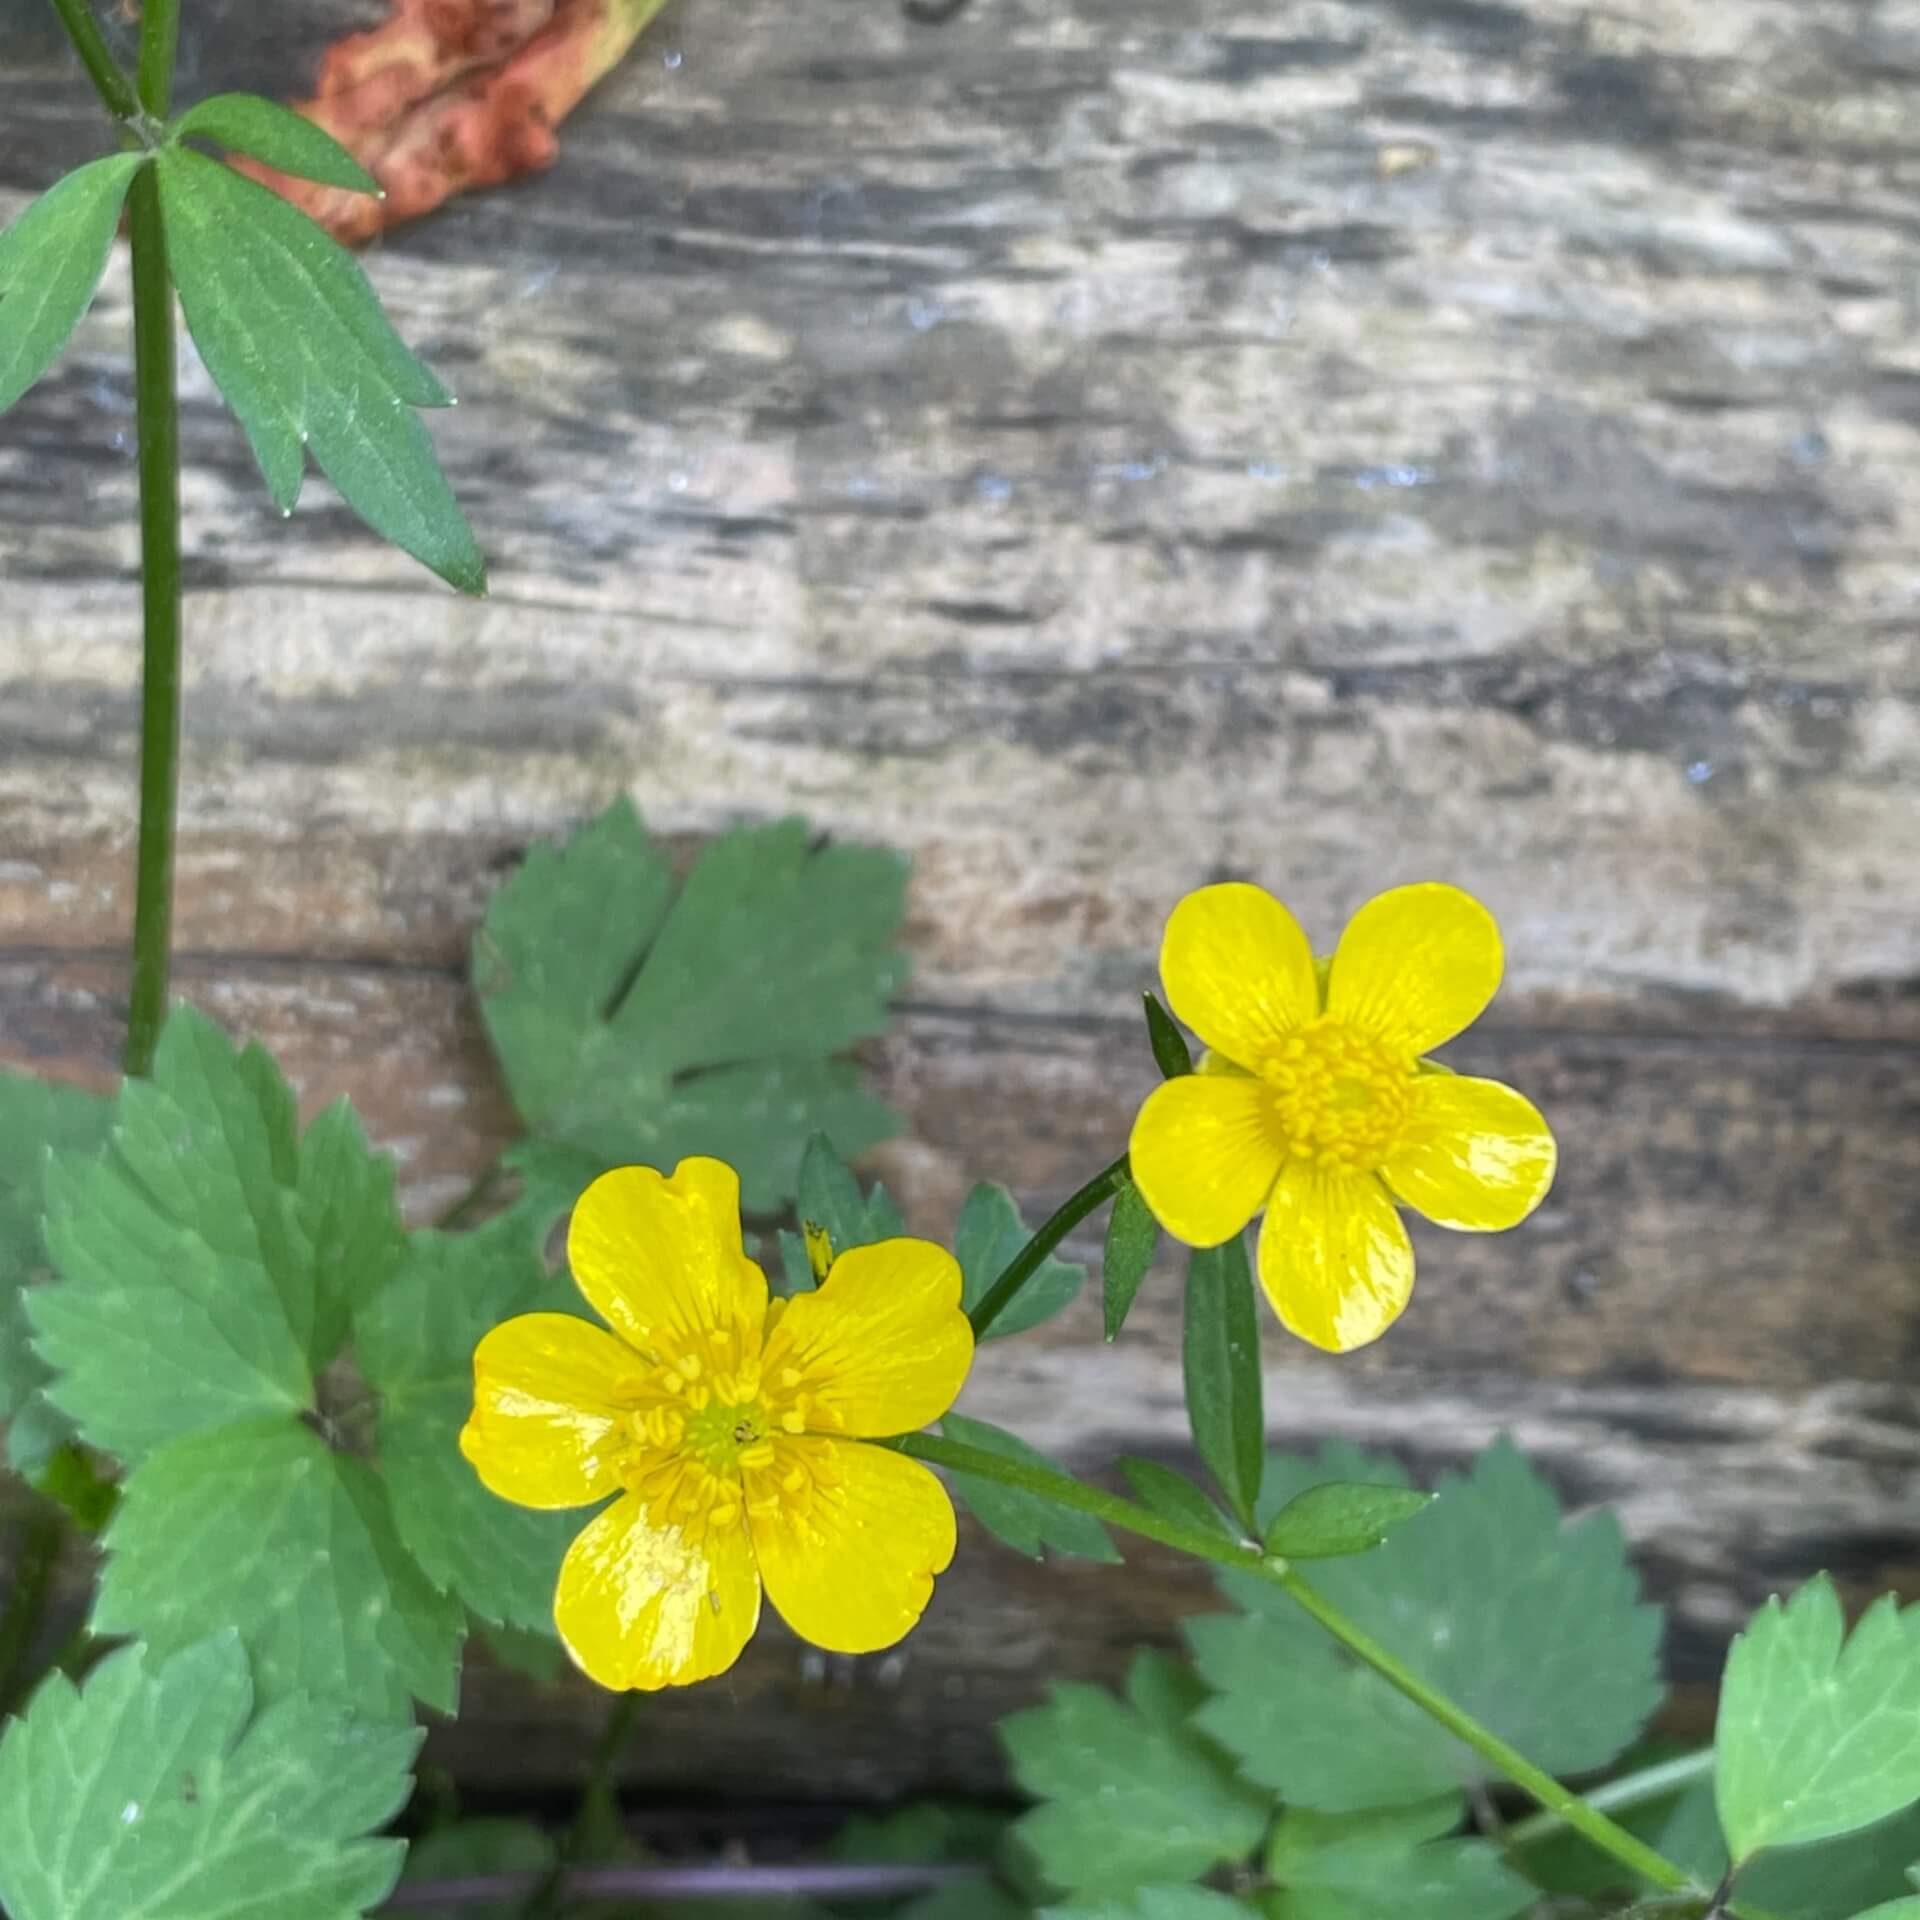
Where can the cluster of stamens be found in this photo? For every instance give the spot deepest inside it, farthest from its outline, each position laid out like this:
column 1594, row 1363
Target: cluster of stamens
column 720, row 1427
column 1338, row 1097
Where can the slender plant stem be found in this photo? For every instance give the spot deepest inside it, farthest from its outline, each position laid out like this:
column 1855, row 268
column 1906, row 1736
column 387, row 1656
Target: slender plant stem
column 592, row 1818
column 96, row 56
column 1629, row 1790
column 1065, row 1491
column 159, row 40
column 1026, row 1263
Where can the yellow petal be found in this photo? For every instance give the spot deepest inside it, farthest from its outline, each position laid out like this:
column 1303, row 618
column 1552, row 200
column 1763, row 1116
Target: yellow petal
column 663, row 1256
column 882, row 1343
column 1204, row 1155
column 852, row 1569
column 1474, row 1154
column 1238, row 969
column 1334, row 1257
column 546, row 1429
column 1416, row 966
column 641, row 1605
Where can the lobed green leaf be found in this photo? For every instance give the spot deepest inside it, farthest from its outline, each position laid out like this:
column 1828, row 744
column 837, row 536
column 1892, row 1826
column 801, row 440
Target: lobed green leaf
column 1383, row 1863
column 1023, row 1521
column 986, row 1237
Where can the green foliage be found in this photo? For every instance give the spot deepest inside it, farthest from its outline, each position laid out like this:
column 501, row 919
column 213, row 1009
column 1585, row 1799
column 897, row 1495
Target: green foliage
column 1816, row 1738
column 36, row 1118
column 1132, row 1793
column 415, row 1346
column 1171, row 1053
column 51, row 260
column 1132, row 1236
column 1174, row 1497
column 635, row 1023
column 478, row 1847
column 1533, row 1627
column 1157, row 1903
column 297, row 342
column 1329, row 1521
column 828, row 1199
column 211, row 1260
column 159, row 1794
column 1221, row 1353
column 988, row 1234
column 1388, row 1862
column 1023, row 1521
column 245, row 123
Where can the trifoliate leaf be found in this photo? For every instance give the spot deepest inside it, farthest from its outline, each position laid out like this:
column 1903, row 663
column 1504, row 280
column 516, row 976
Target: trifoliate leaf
column 1221, row 1354
column 1174, row 1497
column 1534, row 1627
column 210, row 1261
column 1131, row 1794
column 986, row 1237
column 1132, row 1236
column 36, row 1117
column 1816, row 1738
column 51, row 260
column 635, row 1024
column 245, row 123
column 297, row 342
column 834, row 1217
column 159, row 1793
column 1018, row 1519
column 1327, row 1522
column 1385, row 1863
column 474, row 1847
column 415, row 1346
column 261, row 1524
column 1156, row 1903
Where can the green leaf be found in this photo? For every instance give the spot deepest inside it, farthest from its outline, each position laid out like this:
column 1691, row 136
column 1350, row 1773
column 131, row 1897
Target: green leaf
column 1816, row 1738
column 415, row 1346
column 51, row 260
column 1171, row 1053
column 159, row 1793
column 262, row 1525
column 1326, row 1522
column 1533, row 1626
column 1156, row 1903
column 986, row 1237
column 1385, row 1863
column 296, row 340
column 1174, row 1497
column 36, row 1117
column 245, row 123
column 475, row 1847
column 1222, row 1358
column 634, row 1025
column 829, row 1202
column 1131, row 1793
column 1018, row 1519
column 1133, row 1235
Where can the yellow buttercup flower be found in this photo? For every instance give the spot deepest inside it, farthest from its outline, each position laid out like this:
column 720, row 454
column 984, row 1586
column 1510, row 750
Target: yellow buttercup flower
column 731, row 1430
column 1314, row 1102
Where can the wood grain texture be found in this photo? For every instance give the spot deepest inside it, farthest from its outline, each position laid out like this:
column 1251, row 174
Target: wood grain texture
column 1097, row 452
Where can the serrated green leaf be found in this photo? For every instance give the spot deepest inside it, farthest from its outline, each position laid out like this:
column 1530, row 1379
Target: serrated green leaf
column 1174, row 1497
column 475, row 1847
column 296, row 341
column 1221, row 1355
column 1130, row 1793
column 1816, row 1738
column 210, row 1258
column 1533, row 1626
column 1327, row 1522
column 262, row 1525
column 159, row 1794
column 829, row 1202
column 246, row 123
column 1156, row 1903
column 415, row 1346
column 36, row 1117
column 986, row 1237
column 1133, row 1235
column 637, row 1026
column 51, row 260
column 1171, row 1053
column 1016, row 1518
column 1383, row 1863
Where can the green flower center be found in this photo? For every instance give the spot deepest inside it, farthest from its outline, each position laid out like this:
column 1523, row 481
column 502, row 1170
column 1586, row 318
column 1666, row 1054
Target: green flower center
column 1338, row 1097
column 718, row 1433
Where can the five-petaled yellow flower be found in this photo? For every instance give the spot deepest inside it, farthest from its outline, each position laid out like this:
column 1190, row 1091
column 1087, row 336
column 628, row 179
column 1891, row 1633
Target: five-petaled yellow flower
column 731, row 1430
column 1314, row 1102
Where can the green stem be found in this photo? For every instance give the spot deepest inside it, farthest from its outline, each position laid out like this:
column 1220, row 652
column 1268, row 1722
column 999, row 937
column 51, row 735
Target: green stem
column 595, row 1822
column 1065, row 1491
column 1635, row 1789
column 1026, row 1263
column 103, row 70
column 159, row 38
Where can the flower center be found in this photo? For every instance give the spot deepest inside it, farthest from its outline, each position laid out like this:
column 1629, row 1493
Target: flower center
column 1339, row 1098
